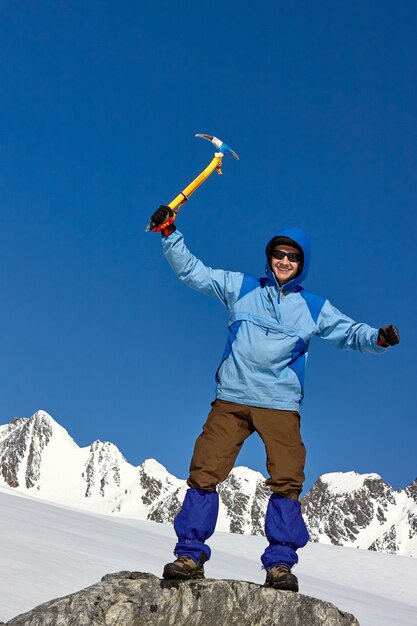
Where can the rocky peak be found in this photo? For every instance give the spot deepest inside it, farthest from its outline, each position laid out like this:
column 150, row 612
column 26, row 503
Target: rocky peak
column 362, row 511
column 105, row 451
column 102, row 468
column 157, row 484
column 340, row 505
column 152, row 467
column 15, row 422
column 21, row 448
column 244, row 495
column 42, row 416
column 411, row 490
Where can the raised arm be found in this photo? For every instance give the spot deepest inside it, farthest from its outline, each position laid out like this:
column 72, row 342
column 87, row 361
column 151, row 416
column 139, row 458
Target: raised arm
column 223, row 284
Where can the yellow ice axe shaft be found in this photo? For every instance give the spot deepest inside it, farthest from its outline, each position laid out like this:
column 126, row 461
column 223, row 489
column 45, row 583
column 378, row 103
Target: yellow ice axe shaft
column 215, row 164
column 178, row 201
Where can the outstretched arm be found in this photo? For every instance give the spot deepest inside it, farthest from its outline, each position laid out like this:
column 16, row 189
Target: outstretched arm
column 346, row 334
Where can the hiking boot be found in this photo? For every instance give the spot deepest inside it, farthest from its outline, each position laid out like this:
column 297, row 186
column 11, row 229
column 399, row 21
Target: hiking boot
column 280, row 577
column 185, row 568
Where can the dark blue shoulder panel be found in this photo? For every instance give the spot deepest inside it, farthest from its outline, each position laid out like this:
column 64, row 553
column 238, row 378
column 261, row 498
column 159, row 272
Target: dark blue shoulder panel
column 314, row 303
column 249, row 283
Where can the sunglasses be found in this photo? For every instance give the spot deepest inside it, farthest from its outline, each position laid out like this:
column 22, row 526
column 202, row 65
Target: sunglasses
column 293, row 257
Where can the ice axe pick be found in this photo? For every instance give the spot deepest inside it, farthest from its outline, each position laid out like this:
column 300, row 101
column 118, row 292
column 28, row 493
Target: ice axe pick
column 215, row 164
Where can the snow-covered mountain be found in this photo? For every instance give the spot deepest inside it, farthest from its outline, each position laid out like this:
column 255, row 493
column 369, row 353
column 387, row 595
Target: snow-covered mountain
column 38, row 457
column 362, row 511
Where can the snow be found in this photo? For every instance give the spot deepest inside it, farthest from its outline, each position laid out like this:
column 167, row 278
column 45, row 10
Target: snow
column 49, row 551
column 153, row 468
column 50, row 466
column 346, row 482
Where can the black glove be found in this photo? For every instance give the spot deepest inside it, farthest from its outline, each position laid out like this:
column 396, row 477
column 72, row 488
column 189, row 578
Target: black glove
column 160, row 216
column 388, row 336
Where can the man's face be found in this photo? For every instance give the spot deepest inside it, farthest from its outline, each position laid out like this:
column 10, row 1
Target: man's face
column 284, row 269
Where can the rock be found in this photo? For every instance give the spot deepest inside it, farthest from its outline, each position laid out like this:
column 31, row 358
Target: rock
column 141, row 599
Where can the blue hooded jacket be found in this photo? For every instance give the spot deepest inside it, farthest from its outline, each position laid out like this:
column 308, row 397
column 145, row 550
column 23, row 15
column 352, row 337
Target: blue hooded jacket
column 270, row 326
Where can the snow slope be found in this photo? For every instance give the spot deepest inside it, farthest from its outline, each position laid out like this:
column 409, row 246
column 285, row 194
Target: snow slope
column 49, row 550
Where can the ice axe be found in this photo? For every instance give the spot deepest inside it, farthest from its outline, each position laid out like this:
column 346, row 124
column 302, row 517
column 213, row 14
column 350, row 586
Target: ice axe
column 215, row 164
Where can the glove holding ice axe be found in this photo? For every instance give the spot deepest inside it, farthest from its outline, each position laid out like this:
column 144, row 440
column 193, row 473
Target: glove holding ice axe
column 163, row 215
column 163, row 219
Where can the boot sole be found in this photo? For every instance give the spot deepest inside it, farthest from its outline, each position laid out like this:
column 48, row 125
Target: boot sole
column 285, row 587
column 171, row 573
column 287, row 583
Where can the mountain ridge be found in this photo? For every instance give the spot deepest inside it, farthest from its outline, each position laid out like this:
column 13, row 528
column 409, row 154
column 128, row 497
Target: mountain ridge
column 38, row 457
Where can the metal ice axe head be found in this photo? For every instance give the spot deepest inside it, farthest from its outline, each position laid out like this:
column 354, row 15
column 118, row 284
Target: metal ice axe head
column 219, row 145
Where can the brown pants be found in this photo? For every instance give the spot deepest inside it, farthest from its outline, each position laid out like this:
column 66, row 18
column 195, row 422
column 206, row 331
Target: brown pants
column 227, row 427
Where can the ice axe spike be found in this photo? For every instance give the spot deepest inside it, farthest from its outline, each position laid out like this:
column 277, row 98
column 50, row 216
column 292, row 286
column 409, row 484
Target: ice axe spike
column 215, row 164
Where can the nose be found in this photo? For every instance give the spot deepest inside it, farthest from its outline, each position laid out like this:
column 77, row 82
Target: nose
column 285, row 260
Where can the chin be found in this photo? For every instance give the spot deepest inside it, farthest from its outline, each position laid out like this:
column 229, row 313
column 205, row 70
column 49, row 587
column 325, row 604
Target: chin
column 283, row 280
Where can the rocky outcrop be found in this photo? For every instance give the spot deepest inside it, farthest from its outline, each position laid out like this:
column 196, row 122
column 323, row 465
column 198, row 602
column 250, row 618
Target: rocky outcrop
column 135, row 599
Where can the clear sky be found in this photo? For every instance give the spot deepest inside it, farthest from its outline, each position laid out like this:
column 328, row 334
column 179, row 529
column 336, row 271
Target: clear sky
column 99, row 104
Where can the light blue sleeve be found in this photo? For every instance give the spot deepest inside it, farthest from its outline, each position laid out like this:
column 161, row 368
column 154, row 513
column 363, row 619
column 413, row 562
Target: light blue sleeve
column 223, row 284
column 344, row 333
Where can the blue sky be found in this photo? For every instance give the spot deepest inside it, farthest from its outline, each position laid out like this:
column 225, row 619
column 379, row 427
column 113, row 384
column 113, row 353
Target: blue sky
column 99, row 105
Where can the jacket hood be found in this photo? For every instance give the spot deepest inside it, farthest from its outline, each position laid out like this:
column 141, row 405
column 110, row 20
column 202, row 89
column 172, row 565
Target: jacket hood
column 303, row 240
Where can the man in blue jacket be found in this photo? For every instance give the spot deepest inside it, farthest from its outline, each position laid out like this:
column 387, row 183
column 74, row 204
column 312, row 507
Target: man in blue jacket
column 260, row 384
